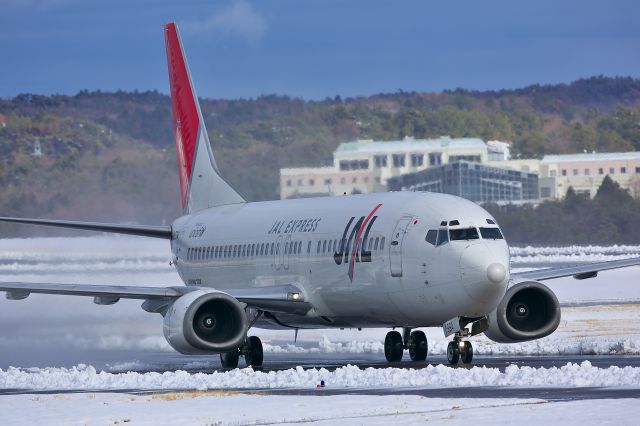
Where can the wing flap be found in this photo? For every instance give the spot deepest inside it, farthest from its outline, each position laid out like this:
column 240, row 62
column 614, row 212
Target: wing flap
column 579, row 272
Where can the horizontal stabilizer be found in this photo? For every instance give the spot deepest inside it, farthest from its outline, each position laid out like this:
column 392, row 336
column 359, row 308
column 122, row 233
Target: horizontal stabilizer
column 140, row 230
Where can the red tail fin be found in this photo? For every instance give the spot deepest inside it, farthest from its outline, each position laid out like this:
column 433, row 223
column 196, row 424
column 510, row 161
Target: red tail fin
column 191, row 136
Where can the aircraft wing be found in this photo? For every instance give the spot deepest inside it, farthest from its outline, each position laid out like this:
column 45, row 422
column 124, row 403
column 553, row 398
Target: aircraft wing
column 286, row 299
column 579, row 272
column 140, row 230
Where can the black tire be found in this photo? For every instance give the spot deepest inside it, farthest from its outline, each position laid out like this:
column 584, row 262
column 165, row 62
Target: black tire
column 467, row 353
column 393, row 347
column 453, row 354
column 254, row 355
column 230, row 359
column 418, row 347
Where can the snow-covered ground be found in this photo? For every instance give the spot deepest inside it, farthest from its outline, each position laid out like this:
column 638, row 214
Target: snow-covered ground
column 214, row 408
column 45, row 340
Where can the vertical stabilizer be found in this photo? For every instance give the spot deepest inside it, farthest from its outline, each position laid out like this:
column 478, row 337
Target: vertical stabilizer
column 201, row 185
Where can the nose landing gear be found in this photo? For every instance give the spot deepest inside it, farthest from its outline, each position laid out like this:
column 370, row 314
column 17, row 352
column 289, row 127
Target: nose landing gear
column 459, row 350
column 414, row 341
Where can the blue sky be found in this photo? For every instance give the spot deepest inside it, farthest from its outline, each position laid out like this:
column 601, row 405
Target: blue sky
column 314, row 49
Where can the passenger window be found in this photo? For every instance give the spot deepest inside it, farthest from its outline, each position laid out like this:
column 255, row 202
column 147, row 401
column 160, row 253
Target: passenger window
column 443, row 237
column 463, row 234
column 286, row 248
column 324, row 246
column 335, row 246
column 375, row 245
column 382, row 244
column 432, row 236
column 253, row 249
column 318, row 248
column 370, row 244
column 491, row 234
column 309, row 247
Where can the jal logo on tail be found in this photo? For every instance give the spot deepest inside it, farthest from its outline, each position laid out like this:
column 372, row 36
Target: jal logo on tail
column 352, row 249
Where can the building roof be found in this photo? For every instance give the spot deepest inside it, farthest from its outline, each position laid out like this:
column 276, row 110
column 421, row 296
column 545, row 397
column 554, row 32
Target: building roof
column 411, row 145
column 591, row 156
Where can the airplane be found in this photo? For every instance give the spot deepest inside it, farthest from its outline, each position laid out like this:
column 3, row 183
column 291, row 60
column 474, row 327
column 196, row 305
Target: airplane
column 402, row 260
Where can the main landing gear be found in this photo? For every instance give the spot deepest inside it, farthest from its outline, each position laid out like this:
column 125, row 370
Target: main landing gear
column 251, row 350
column 414, row 341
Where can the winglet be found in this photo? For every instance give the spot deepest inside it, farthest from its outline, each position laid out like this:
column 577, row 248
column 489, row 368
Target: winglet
column 201, row 185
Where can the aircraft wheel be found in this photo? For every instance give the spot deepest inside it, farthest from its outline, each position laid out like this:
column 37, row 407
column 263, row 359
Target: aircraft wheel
column 393, row 348
column 254, row 355
column 230, row 359
column 418, row 347
column 466, row 353
column 453, row 354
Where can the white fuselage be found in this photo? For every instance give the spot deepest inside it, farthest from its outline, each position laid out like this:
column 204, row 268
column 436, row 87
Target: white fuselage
column 396, row 277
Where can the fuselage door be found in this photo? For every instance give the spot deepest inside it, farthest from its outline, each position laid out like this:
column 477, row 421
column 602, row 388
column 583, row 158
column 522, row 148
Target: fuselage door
column 277, row 255
column 395, row 248
column 287, row 252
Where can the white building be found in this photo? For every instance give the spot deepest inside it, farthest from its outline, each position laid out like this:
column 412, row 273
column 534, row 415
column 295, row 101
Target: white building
column 365, row 165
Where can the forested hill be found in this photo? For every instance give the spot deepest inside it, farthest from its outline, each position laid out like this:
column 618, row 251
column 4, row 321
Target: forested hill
column 111, row 155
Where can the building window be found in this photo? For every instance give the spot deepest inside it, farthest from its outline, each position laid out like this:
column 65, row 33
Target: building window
column 354, row 164
column 327, row 181
column 611, row 170
column 288, row 182
column 564, row 172
column 398, row 160
column 586, row 172
column 312, row 182
column 600, row 171
column 552, row 173
column 380, row 160
column 377, row 179
column 545, row 192
column 343, row 180
column 623, row 170
column 575, row 172
column 435, row 159
column 417, row 160
column 366, row 179
column 637, row 169
column 300, row 182
column 471, row 158
column 354, row 180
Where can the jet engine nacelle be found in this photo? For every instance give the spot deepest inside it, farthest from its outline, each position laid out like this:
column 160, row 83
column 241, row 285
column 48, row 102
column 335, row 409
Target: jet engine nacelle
column 205, row 321
column 528, row 311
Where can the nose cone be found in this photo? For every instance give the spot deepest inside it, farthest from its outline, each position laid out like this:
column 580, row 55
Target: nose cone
column 484, row 274
column 496, row 273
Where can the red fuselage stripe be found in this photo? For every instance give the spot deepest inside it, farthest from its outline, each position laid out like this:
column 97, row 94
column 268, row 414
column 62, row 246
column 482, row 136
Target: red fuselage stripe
column 357, row 244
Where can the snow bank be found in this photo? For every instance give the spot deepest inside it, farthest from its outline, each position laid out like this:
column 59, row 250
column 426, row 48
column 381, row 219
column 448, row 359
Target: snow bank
column 572, row 254
column 84, row 377
column 548, row 346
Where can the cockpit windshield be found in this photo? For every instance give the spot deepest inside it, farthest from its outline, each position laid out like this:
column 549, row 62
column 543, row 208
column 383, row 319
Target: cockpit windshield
column 463, row 234
column 491, row 234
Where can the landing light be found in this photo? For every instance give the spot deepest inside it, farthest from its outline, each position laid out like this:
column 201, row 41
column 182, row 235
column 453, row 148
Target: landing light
column 294, row 296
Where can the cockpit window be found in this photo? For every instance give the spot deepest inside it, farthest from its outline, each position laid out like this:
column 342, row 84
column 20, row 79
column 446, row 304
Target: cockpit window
column 443, row 237
column 464, row 234
column 454, row 223
column 443, row 223
column 490, row 222
column 491, row 234
column 432, row 236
